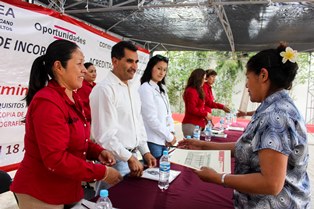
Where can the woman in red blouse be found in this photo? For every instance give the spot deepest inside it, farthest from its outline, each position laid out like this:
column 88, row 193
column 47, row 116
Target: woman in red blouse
column 196, row 113
column 211, row 104
column 56, row 141
column 85, row 90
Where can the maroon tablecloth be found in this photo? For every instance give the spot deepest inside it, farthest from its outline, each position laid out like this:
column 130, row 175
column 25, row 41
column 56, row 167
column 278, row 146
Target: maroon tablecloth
column 187, row 191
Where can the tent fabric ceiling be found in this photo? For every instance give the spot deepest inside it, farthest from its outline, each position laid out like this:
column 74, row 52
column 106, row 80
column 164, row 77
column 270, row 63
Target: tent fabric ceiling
column 174, row 25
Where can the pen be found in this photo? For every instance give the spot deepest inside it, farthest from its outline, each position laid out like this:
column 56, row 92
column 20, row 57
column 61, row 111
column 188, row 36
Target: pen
column 85, row 206
column 172, row 148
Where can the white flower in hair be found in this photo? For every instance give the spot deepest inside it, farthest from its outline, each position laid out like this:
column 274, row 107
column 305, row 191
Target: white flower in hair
column 289, row 54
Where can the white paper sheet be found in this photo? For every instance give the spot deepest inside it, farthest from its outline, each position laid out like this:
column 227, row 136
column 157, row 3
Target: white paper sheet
column 223, row 135
column 233, row 128
column 85, row 204
column 153, row 174
column 217, row 131
column 220, row 160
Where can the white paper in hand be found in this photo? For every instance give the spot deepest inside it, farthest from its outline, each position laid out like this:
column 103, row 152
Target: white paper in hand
column 220, row 160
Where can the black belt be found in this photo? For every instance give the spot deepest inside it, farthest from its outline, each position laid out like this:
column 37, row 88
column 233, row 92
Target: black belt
column 132, row 150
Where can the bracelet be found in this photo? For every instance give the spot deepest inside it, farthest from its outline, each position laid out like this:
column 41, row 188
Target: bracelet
column 106, row 174
column 223, row 179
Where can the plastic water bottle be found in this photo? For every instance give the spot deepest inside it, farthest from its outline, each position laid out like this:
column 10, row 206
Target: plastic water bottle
column 197, row 132
column 164, row 171
column 103, row 201
column 234, row 117
column 222, row 123
column 208, row 131
column 228, row 120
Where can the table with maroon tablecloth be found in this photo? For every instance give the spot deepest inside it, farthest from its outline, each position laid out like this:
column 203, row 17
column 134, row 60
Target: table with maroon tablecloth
column 187, row 191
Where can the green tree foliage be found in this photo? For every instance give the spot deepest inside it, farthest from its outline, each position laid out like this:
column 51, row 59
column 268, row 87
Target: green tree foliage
column 227, row 69
column 304, row 64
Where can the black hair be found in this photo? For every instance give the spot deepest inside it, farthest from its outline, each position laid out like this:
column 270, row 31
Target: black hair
column 117, row 50
column 210, row 72
column 280, row 74
column 59, row 50
column 147, row 75
column 88, row 64
column 195, row 80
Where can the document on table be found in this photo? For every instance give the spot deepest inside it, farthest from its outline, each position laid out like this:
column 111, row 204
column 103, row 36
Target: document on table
column 217, row 131
column 233, row 128
column 153, row 174
column 223, row 135
column 220, row 160
column 85, row 204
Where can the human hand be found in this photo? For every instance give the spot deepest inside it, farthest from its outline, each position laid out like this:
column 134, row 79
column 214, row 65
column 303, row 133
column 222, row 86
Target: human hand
column 135, row 166
column 106, row 158
column 112, row 176
column 241, row 113
column 209, row 117
column 208, row 175
column 169, row 144
column 190, row 144
column 150, row 159
column 211, row 122
column 226, row 109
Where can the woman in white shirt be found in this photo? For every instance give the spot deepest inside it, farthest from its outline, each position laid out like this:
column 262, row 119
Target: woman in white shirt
column 155, row 106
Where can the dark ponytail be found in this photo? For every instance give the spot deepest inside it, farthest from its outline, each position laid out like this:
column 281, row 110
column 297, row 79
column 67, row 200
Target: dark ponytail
column 38, row 78
column 41, row 72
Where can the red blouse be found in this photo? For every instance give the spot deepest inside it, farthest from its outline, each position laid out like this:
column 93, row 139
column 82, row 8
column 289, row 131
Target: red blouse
column 210, row 98
column 195, row 109
column 56, row 148
column 84, row 93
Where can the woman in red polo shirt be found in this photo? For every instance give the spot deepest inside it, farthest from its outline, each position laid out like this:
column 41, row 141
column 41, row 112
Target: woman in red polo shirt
column 196, row 113
column 86, row 89
column 56, row 141
column 207, row 87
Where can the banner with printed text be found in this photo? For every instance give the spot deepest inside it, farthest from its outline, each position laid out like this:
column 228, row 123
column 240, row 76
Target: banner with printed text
column 25, row 32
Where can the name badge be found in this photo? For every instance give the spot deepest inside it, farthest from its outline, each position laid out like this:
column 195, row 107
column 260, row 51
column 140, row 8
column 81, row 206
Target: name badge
column 168, row 120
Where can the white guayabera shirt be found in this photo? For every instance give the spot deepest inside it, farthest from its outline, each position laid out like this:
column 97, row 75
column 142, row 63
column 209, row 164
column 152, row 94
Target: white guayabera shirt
column 117, row 123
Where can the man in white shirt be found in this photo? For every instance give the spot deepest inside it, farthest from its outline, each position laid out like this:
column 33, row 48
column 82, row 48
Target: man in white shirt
column 117, row 122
